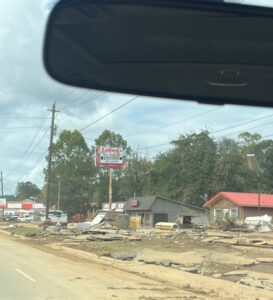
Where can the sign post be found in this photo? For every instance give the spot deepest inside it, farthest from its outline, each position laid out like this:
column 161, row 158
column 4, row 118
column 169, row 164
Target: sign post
column 110, row 189
column 3, row 203
column 110, row 158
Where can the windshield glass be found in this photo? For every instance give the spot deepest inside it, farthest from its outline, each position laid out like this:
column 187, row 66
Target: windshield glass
column 149, row 198
column 264, row 3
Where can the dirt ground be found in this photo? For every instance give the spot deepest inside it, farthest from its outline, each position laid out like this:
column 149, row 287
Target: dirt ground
column 211, row 257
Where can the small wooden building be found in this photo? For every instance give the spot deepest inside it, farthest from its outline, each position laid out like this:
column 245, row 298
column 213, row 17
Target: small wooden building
column 238, row 206
column 154, row 209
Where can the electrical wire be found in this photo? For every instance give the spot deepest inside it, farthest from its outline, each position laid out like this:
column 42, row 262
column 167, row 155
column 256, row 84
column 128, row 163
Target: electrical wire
column 108, row 114
column 12, row 170
column 173, row 123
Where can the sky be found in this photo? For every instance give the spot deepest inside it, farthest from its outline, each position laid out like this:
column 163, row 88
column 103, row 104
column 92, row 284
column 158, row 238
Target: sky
column 27, row 92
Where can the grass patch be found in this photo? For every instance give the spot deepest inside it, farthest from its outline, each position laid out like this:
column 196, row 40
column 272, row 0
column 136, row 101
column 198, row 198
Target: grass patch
column 21, row 230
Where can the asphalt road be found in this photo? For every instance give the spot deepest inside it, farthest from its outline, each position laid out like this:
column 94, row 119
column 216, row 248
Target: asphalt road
column 29, row 273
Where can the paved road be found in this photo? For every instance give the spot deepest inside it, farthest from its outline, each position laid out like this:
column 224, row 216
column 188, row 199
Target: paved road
column 29, row 273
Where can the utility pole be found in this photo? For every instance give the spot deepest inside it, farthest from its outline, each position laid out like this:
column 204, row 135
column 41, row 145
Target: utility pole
column 2, row 195
column 110, row 189
column 53, row 111
column 254, row 167
column 59, row 192
column 2, row 186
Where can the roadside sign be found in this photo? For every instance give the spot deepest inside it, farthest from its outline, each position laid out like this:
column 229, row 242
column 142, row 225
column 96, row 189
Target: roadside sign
column 110, row 158
column 14, row 205
column 3, row 202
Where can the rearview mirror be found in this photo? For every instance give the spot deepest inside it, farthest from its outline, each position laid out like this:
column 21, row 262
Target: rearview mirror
column 195, row 50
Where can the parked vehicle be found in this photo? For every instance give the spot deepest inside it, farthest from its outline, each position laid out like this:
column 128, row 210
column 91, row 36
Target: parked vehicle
column 10, row 218
column 25, row 218
column 56, row 217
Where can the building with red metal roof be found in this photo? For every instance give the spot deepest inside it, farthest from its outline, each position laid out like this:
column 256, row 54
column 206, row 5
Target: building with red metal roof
column 238, row 205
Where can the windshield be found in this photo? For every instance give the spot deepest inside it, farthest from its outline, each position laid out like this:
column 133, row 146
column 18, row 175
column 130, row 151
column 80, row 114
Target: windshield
column 263, row 3
column 149, row 198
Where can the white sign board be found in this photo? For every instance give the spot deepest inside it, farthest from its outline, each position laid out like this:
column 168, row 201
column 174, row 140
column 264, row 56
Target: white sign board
column 3, row 202
column 14, row 205
column 109, row 157
column 38, row 205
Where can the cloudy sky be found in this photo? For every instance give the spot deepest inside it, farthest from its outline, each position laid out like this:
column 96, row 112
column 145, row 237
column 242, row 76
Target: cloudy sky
column 26, row 92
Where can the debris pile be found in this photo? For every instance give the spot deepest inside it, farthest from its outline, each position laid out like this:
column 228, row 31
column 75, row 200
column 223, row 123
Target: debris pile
column 261, row 224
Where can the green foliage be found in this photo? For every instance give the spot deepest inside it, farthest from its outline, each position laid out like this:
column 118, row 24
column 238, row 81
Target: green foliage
column 111, row 139
column 73, row 163
column 136, row 179
column 185, row 172
column 26, row 190
column 198, row 166
column 230, row 168
column 10, row 197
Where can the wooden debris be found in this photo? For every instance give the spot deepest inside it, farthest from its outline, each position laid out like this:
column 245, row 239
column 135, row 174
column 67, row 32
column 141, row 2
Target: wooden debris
column 211, row 239
column 226, row 241
column 265, row 259
column 238, row 272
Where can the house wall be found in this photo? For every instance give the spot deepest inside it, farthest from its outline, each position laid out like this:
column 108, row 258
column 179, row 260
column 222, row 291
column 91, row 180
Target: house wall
column 200, row 216
column 223, row 203
column 243, row 212
column 201, row 219
column 253, row 211
column 146, row 216
column 171, row 208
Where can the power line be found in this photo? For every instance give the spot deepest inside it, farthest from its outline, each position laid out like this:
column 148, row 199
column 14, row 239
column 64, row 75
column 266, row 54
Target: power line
column 242, row 124
column 34, row 148
column 16, row 128
column 29, row 147
column 173, row 123
column 77, row 98
column 80, row 103
column 21, row 117
column 238, row 132
column 108, row 114
column 67, row 94
column 34, row 166
column 213, row 132
column 31, row 170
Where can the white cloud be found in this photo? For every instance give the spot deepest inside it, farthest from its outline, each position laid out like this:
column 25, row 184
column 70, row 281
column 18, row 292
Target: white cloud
column 26, row 92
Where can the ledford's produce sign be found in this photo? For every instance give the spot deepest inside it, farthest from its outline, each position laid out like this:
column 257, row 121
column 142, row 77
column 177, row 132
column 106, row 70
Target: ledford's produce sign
column 110, row 158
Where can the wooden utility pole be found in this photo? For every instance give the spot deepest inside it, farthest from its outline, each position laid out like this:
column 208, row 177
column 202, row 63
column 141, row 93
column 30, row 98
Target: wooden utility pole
column 59, row 192
column 2, row 194
column 110, row 189
column 53, row 111
column 2, row 186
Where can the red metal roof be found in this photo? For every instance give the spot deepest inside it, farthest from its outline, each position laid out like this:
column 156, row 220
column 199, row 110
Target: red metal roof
column 243, row 199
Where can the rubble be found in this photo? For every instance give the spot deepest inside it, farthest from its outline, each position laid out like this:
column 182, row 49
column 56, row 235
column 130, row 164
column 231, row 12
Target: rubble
column 259, row 223
column 166, row 226
column 238, row 272
column 265, row 259
column 256, row 283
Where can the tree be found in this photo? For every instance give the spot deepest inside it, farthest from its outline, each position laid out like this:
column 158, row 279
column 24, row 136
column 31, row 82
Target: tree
column 26, row 190
column 10, row 197
column 249, row 142
column 265, row 161
column 136, row 179
column 110, row 139
column 185, row 172
column 230, row 168
column 72, row 161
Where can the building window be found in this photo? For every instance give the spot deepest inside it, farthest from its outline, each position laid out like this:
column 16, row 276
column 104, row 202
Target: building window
column 218, row 215
column 225, row 213
column 234, row 213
